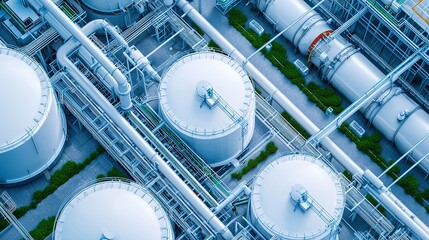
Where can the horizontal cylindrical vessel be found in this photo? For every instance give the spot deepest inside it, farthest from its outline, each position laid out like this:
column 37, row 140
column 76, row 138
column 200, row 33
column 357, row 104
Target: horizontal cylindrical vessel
column 217, row 128
column 296, row 197
column 32, row 126
column 113, row 209
column 394, row 114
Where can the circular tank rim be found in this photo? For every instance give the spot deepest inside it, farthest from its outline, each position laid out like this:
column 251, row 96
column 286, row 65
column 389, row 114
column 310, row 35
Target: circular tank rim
column 257, row 213
column 55, row 157
column 198, row 134
column 47, row 91
column 116, row 183
column 100, row 9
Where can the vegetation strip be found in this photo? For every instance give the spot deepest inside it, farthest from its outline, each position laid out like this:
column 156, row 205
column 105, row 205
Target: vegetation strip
column 271, row 148
column 322, row 97
column 58, row 178
column 371, row 146
column 43, row 229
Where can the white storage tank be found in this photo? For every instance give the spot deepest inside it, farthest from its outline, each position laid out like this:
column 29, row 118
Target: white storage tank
column 113, row 209
column 297, row 197
column 209, row 100
column 32, row 125
column 121, row 13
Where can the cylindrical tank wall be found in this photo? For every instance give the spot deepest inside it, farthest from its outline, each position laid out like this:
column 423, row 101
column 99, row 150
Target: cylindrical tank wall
column 215, row 132
column 352, row 74
column 275, row 211
column 36, row 128
column 121, row 13
column 113, row 209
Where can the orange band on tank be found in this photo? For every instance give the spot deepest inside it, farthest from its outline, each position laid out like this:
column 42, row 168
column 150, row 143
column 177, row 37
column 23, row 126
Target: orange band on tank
column 316, row 40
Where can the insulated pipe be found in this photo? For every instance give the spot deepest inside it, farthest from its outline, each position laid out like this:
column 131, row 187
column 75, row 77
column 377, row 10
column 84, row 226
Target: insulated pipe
column 131, row 53
column 242, row 187
column 390, row 201
column 276, row 94
column 50, row 19
column 124, row 87
column 392, row 112
column 140, row 143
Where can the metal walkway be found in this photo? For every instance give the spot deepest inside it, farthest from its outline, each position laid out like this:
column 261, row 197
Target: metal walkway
column 281, row 128
column 181, row 151
column 41, row 42
column 137, row 165
column 358, row 203
column 189, row 35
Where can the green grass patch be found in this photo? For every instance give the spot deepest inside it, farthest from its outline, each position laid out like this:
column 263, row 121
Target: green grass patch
column 58, row 178
column 348, row 175
column 322, row 97
column 374, row 202
column 296, row 125
column 43, row 229
column 371, row 146
column 198, row 29
column 116, row 173
column 100, row 176
column 212, row 44
column 410, row 185
column 270, row 148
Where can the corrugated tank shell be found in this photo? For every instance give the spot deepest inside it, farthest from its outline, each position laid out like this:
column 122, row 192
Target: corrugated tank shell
column 33, row 128
column 115, row 210
column 273, row 210
column 211, row 132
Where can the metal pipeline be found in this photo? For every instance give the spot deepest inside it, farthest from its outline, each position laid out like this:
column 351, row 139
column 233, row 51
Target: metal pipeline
column 275, row 93
column 392, row 112
column 242, row 187
column 124, row 90
column 124, row 87
column 403, row 213
column 141, row 144
column 132, row 53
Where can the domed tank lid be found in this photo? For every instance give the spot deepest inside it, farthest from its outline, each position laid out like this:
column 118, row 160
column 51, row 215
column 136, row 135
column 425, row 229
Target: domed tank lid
column 296, row 196
column 107, row 6
column 196, row 91
column 25, row 93
column 113, row 210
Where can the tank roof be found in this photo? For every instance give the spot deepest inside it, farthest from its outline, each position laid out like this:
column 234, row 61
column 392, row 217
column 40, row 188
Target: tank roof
column 25, row 93
column 185, row 108
column 115, row 209
column 275, row 187
column 107, row 6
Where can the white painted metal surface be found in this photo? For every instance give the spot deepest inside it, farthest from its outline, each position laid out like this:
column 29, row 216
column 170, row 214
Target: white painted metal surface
column 115, row 209
column 117, row 118
column 32, row 126
column 274, row 211
column 210, row 131
column 387, row 198
column 118, row 12
column 353, row 74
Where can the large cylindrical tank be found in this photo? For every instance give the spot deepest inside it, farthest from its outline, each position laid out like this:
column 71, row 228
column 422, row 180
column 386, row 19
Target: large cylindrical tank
column 217, row 131
column 392, row 112
column 121, row 13
column 32, row 125
column 113, row 209
column 295, row 197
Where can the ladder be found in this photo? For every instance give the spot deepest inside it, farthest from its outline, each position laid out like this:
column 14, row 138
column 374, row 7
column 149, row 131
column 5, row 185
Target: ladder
column 7, row 206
